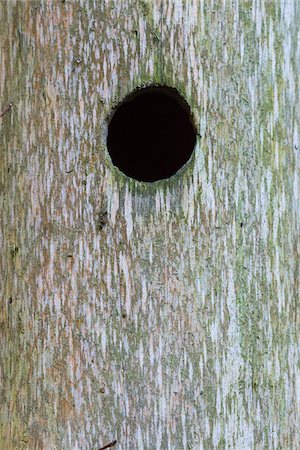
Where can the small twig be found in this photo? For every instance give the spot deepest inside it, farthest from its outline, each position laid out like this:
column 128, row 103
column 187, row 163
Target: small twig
column 6, row 110
column 111, row 444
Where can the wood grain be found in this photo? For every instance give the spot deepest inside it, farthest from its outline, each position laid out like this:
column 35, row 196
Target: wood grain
column 174, row 325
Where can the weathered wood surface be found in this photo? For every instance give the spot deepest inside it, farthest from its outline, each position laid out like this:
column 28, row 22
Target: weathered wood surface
column 173, row 325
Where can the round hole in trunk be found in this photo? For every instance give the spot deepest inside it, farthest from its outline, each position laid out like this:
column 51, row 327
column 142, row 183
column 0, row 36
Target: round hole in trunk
column 151, row 134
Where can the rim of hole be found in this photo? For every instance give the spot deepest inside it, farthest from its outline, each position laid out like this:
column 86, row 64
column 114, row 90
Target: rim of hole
column 151, row 133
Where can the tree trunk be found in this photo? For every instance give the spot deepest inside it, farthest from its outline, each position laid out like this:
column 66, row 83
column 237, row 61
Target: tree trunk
column 170, row 322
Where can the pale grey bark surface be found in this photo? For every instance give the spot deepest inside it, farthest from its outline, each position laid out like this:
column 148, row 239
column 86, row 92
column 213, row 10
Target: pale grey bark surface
column 174, row 326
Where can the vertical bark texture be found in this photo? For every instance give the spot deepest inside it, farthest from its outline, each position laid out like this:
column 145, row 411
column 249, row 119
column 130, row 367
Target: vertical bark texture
column 173, row 324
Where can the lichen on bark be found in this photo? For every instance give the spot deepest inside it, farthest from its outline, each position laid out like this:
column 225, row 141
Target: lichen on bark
column 174, row 324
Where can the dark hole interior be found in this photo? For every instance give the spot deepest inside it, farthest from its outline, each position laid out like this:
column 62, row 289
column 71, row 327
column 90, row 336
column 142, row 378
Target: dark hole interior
column 151, row 134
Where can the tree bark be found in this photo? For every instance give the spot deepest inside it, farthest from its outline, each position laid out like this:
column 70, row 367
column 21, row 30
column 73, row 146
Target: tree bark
column 174, row 324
